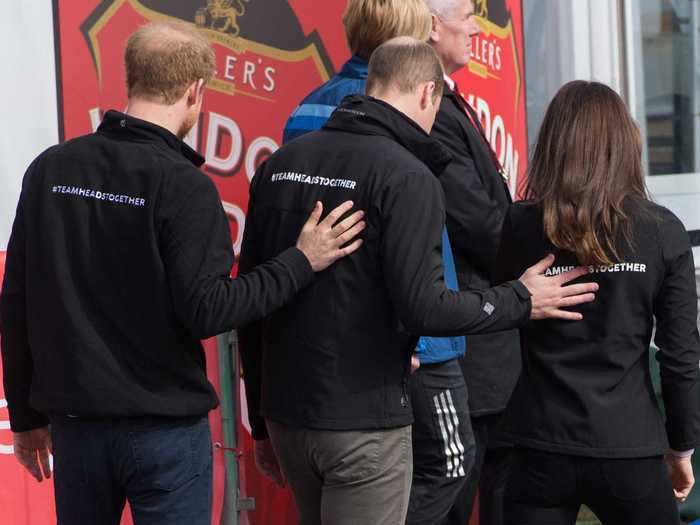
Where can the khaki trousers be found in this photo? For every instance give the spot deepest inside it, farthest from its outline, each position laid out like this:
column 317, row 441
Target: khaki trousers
column 346, row 477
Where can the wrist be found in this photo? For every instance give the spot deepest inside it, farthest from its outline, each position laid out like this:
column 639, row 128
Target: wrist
column 678, row 455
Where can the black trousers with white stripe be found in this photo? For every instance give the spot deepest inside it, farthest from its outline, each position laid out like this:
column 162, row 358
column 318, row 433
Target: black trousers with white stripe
column 443, row 443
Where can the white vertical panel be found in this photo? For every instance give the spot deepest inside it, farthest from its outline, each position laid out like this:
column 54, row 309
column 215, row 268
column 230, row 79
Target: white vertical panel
column 582, row 37
column 606, row 42
column 28, row 112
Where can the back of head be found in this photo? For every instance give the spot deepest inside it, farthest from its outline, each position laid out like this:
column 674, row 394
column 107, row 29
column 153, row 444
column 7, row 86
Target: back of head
column 442, row 8
column 402, row 64
column 586, row 163
column 164, row 58
column 370, row 23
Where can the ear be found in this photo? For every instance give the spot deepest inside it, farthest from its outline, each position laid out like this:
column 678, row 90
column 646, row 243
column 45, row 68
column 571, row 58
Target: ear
column 434, row 33
column 427, row 90
column 195, row 93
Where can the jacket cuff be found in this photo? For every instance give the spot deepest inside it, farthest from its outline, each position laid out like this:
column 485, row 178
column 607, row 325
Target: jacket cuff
column 524, row 294
column 299, row 266
column 520, row 289
column 26, row 418
column 681, row 453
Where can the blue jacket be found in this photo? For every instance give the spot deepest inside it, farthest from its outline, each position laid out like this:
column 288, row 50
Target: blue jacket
column 311, row 115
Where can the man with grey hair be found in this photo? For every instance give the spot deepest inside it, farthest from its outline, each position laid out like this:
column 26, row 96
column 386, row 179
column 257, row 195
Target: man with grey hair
column 118, row 264
column 476, row 200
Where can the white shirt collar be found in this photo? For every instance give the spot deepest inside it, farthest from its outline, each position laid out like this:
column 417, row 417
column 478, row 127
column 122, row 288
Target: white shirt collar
column 449, row 82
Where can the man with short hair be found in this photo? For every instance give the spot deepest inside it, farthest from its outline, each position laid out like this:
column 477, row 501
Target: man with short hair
column 118, row 264
column 326, row 376
column 476, row 200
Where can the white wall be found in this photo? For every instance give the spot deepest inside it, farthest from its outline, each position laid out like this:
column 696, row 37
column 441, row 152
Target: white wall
column 28, row 109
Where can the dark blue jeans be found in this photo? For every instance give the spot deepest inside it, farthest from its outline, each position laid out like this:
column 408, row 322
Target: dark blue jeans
column 161, row 466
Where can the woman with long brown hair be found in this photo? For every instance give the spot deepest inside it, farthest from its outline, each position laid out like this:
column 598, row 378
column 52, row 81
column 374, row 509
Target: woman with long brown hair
column 584, row 415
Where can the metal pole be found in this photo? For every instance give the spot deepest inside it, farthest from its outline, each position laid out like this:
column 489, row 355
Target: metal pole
column 226, row 346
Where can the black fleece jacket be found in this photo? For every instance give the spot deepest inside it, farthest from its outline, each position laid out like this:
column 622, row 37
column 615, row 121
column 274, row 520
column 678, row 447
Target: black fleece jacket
column 586, row 387
column 117, row 265
column 337, row 356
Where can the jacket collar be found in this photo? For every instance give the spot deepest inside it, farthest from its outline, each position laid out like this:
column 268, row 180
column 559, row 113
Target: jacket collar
column 356, row 67
column 121, row 124
column 366, row 115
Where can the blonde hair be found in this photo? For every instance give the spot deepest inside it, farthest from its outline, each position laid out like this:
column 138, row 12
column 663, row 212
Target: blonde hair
column 404, row 63
column 370, row 23
column 163, row 58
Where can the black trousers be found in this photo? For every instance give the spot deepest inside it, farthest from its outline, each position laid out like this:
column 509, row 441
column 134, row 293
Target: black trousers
column 443, row 444
column 490, row 475
column 548, row 489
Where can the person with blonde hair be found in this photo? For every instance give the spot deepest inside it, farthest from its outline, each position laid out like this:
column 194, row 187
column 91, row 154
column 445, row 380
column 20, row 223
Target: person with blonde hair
column 437, row 383
column 118, row 264
column 368, row 24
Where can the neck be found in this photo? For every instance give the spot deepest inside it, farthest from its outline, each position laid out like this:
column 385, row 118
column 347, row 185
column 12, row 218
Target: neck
column 451, row 68
column 406, row 103
column 165, row 116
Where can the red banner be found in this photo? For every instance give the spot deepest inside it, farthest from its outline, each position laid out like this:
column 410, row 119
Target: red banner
column 494, row 84
column 270, row 54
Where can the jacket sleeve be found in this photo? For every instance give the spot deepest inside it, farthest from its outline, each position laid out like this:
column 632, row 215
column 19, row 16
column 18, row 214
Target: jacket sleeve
column 473, row 220
column 250, row 335
column 198, row 257
column 17, row 363
column 506, row 267
column 677, row 337
column 412, row 220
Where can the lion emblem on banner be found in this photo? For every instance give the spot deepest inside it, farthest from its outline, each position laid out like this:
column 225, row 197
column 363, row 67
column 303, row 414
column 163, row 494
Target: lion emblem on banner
column 221, row 15
column 482, row 8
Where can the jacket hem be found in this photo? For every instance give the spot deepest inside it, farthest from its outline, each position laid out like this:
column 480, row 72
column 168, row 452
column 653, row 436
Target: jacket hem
column 586, row 450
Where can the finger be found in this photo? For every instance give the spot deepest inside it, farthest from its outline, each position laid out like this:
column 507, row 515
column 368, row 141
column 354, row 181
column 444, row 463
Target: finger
column 45, row 463
column 542, row 265
column 315, row 216
column 29, row 461
column 577, row 272
column 575, row 299
column 344, row 252
column 578, row 289
column 336, row 214
column 350, row 234
column 564, row 315
column 348, row 223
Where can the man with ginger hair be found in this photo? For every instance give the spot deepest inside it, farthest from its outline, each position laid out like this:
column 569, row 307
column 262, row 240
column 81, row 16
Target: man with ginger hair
column 118, row 264
column 327, row 376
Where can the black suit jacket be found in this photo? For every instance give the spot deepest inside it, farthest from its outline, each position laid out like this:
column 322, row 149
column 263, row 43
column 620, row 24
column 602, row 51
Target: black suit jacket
column 477, row 200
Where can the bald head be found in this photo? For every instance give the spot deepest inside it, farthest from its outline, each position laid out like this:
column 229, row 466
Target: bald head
column 164, row 58
column 406, row 73
column 402, row 64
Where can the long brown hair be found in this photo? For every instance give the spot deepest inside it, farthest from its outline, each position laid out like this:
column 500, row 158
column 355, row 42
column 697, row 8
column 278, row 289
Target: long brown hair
column 587, row 162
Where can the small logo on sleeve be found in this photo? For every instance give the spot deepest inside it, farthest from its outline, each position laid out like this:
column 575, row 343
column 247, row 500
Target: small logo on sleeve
column 489, row 308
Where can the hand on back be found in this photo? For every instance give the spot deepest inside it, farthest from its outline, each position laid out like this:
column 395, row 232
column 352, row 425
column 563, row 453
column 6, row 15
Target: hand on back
column 550, row 295
column 325, row 241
